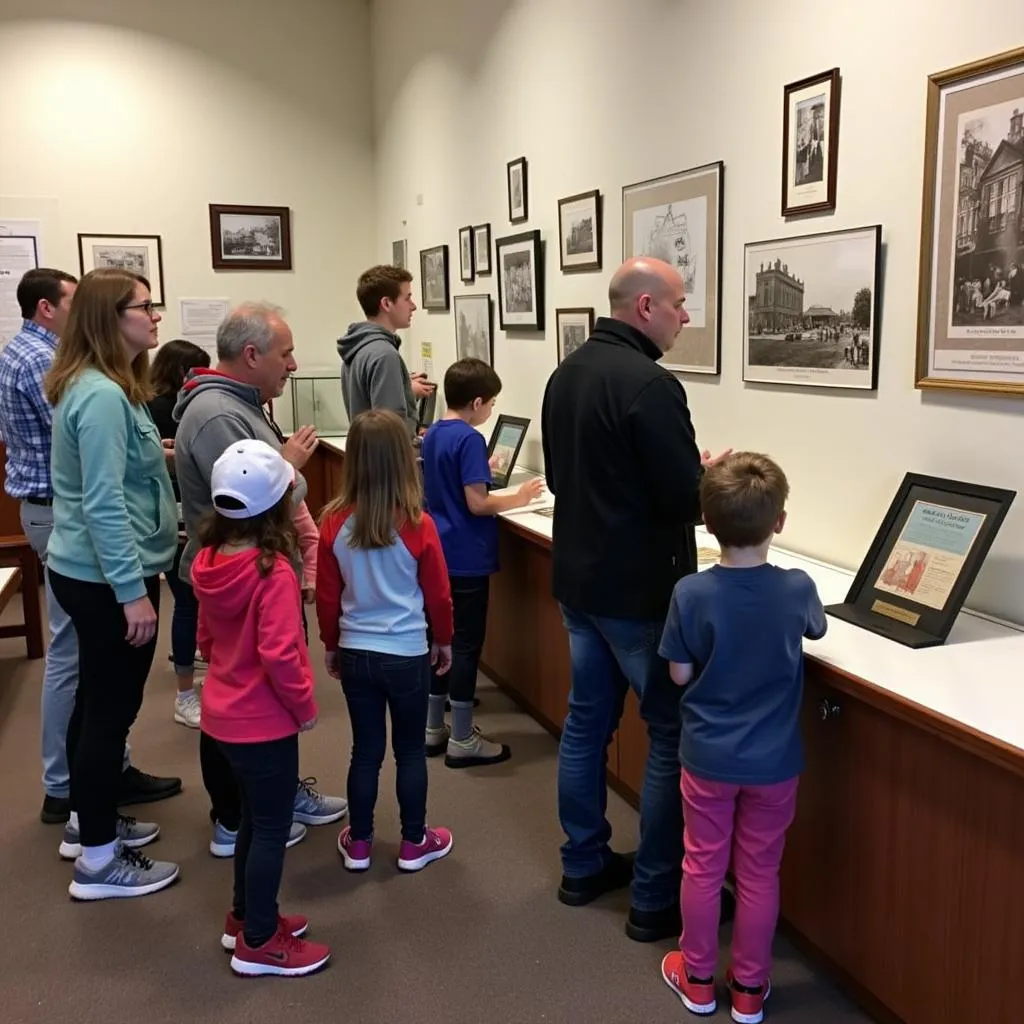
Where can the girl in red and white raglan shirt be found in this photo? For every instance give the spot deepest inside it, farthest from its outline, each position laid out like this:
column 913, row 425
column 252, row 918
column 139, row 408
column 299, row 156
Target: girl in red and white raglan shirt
column 381, row 581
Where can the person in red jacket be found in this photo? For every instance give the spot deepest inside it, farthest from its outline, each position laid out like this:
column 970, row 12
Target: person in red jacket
column 381, row 580
column 258, row 695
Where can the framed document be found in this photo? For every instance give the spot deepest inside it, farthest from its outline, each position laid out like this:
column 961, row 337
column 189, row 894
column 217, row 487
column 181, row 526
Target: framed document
column 924, row 559
column 506, row 440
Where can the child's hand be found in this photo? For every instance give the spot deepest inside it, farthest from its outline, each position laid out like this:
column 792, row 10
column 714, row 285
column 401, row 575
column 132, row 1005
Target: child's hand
column 533, row 488
column 441, row 657
column 331, row 664
column 306, row 726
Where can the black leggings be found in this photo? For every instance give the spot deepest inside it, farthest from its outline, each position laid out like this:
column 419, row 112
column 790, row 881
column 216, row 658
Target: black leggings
column 470, row 596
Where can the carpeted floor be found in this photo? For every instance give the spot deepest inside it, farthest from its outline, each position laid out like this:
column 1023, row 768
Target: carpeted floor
column 476, row 937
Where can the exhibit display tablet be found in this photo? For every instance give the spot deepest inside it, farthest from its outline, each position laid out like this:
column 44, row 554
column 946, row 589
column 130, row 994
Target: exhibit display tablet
column 506, row 440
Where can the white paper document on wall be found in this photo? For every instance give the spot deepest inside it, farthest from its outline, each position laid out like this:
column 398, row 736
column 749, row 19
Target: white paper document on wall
column 25, row 229
column 18, row 254
column 200, row 319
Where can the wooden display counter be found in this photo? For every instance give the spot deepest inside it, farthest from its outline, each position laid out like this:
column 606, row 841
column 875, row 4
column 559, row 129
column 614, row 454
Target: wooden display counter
column 903, row 869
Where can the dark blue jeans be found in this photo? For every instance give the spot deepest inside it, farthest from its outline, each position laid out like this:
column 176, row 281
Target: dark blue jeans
column 266, row 774
column 185, row 621
column 610, row 656
column 375, row 684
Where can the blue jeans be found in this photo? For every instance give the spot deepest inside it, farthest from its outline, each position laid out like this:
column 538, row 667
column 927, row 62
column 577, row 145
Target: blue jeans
column 185, row 620
column 60, row 675
column 374, row 684
column 608, row 657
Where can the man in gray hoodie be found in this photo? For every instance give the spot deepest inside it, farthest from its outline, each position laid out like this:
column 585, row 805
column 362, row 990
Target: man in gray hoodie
column 373, row 373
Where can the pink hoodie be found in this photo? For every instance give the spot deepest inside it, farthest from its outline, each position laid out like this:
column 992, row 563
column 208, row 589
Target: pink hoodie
column 260, row 683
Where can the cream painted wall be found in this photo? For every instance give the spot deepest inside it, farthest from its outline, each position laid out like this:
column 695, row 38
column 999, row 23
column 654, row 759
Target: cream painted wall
column 132, row 115
column 600, row 93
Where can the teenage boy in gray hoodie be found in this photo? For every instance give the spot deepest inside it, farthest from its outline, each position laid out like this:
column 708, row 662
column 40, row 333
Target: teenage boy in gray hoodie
column 373, row 373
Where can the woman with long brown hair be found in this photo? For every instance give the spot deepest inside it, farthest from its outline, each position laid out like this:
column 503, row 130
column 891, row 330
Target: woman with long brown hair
column 114, row 532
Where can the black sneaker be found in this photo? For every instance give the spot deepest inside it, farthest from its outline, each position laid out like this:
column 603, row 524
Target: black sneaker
column 56, row 810
column 139, row 788
column 616, row 874
column 655, row 925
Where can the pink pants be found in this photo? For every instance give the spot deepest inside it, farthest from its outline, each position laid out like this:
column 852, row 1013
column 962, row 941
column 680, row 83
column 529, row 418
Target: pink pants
column 747, row 824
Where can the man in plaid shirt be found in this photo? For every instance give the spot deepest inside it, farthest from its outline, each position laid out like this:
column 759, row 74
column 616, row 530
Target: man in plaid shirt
column 26, row 421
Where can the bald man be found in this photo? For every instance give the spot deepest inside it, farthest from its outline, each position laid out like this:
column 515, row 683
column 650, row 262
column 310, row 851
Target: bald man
column 620, row 455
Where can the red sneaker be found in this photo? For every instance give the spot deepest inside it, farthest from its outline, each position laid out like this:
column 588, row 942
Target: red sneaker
column 747, row 1007
column 293, row 924
column 697, row 997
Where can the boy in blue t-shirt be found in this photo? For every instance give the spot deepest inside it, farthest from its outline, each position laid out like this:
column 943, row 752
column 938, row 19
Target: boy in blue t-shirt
column 456, row 477
column 734, row 641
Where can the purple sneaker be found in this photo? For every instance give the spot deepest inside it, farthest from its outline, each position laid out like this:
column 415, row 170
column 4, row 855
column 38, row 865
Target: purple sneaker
column 437, row 843
column 356, row 852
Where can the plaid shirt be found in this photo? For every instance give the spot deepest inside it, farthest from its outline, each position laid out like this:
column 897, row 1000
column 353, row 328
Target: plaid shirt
column 26, row 417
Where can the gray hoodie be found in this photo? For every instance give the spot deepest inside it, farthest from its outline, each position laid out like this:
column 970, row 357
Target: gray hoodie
column 213, row 411
column 374, row 375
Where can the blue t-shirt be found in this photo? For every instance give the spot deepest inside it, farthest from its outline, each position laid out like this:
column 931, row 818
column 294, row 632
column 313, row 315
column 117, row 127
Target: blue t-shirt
column 742, row 630
column 454, row 456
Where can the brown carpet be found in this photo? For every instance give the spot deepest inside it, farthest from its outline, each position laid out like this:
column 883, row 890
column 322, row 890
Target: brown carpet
column 478, row 936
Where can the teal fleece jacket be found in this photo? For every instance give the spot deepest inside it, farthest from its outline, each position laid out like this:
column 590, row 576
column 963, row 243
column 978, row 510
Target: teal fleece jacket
column 114, row 516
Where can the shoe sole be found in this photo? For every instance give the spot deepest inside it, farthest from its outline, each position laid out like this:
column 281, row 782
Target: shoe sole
column 753, row 1018
column 182, row 720
column 131, row 798
column 86, row 891
column 72, row 851
column 638, row 934
column 313, row 819
column 228, row 942
column 700, row 1009
column 54, row 819
column 477, row 762
column 245, row 969
column 428, row 858
column 222, row 850
column 438, row 750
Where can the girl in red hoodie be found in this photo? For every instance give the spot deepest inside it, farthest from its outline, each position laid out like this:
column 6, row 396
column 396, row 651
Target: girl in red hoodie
column 258, row 695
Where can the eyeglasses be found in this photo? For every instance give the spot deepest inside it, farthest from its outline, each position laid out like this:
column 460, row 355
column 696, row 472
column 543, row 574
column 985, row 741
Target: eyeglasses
column 146, row 307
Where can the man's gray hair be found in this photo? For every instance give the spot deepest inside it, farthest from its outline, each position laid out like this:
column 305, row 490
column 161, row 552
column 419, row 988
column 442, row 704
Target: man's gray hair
column 248, row 324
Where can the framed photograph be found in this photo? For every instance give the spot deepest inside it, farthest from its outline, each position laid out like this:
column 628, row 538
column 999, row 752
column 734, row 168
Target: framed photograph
column 970, row 319
column 678, row 218
column 400, row 253
column 517, row 205
column 574, row 326
column 140, row 254
column 482, row 249
column 251, row 237
column 474, row 328
column 812, row 307
column 810, row 144
column 924, row 559
column 579, row 231
column 434, row 278
column 520, row 281
column 466, row 255
column 506, row 440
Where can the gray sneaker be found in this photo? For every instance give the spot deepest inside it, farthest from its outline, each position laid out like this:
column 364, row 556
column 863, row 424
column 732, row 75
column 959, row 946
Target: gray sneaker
column 129, row 873
column 131, row 832
column 313, row 808
column 223, row 842
column 476, row 751
column 437, row 740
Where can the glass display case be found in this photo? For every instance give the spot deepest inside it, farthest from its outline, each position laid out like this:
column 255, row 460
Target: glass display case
column 316, row 401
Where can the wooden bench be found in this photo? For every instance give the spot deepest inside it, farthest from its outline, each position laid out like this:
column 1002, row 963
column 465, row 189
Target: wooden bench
column 19, row 567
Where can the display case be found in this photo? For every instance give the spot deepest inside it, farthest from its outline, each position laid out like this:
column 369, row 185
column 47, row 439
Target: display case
column 317, row 402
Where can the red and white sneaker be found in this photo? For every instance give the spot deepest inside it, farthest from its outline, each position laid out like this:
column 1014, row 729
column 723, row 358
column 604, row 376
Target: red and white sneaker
column 747, row 1007
column 437, row 843
column 355, row 852
column 283, row 955
column 293, row 924
column 697, row 996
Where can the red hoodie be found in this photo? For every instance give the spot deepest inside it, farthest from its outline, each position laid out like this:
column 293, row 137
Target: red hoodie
column 260, row 683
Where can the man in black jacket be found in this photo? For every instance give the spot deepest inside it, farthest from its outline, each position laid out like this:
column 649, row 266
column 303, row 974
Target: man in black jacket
column 621, row 459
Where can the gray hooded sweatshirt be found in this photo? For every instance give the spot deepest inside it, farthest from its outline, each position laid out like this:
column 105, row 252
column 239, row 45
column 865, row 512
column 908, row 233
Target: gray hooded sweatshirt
column 213, row 411
column 374, row 375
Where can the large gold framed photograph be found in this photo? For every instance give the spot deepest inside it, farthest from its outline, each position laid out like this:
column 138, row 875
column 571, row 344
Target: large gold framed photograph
column 970, row 329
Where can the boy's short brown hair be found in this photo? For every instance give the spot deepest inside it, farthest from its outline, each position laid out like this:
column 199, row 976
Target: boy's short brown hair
column 469, row 379
column 379, row 283
column 741, row 499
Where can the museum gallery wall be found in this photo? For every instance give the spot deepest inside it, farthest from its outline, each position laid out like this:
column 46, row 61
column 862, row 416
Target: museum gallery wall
column 819, row 145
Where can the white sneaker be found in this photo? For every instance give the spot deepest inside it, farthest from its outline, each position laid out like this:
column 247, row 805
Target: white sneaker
column 187, row 709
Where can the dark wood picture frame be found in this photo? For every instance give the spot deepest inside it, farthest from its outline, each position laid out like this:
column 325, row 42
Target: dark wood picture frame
column 587, row 311
column 433, row 304
column 483, row 267
column 902, row 619
column 467, row 272
column 517, row 218
column 283, row 258
column 154, row 242
column 501, row 477
column 832, row 81
column 595, row 263
column 532, row 237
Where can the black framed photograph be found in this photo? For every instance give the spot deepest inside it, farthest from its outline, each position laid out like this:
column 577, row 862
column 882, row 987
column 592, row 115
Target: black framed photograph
column 924, row 559
column 466, row 262
column 434, row 278
column 400, row 253
column 517, row 198
column 138, row 254
column 474, row 328
column 506, row 440
column 482, row 249
column 579, row 231
column 520, row 281
column 812, row 308
column 810, row 144
column 250, row 237
column 573, row 327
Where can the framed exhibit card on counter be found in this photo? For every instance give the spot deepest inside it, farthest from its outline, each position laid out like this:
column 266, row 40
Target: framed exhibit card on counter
column 506, row 440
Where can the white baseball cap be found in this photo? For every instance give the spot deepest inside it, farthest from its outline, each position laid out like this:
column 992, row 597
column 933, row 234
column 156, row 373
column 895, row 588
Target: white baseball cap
column 252, row 473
